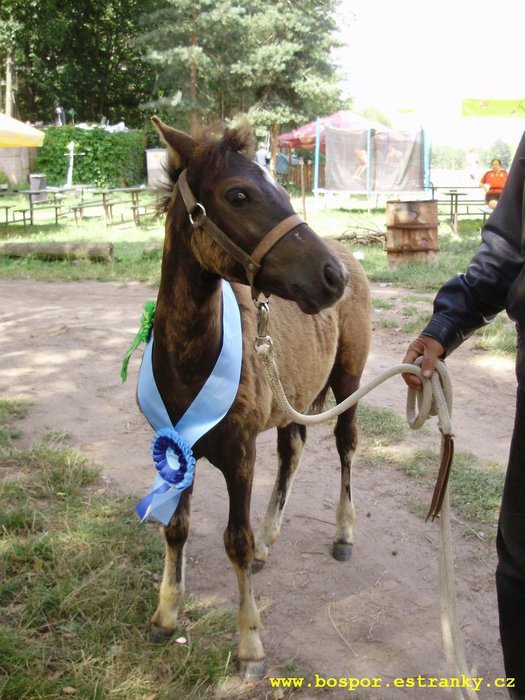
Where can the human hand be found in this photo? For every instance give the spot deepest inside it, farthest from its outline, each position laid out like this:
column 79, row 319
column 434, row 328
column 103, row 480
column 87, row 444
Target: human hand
column 431, row 350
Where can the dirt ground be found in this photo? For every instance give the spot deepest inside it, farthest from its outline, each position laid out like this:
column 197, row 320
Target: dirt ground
column 376, row 616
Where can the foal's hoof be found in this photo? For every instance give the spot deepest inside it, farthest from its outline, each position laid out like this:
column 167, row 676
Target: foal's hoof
column 257, row 565
column 252, row 671
column 159, row 635
column 341, row 551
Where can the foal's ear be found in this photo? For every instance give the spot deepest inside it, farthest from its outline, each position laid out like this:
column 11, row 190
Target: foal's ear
column 179, row 144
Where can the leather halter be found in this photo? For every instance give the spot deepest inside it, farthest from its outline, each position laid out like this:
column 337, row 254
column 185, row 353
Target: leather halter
column 251, row 263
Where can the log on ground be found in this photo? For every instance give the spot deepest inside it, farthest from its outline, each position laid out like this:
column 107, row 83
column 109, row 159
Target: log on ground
column 99, row 252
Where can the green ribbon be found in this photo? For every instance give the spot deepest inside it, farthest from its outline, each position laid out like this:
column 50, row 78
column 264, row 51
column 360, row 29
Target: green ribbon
column 143, row 336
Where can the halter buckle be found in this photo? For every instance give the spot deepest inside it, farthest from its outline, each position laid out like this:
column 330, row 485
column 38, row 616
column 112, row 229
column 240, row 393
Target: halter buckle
column 263, row 313
column 201, row 214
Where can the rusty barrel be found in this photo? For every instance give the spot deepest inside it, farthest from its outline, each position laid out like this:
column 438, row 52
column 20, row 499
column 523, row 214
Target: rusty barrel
column 411, row 232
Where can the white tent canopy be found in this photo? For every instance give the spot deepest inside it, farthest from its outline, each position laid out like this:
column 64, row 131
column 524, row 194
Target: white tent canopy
column 16, row 134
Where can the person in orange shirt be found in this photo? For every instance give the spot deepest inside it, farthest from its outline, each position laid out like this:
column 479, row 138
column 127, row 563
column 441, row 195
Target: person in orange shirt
column 493, row 182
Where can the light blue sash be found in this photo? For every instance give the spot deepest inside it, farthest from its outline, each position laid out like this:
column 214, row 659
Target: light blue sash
column 171, row 446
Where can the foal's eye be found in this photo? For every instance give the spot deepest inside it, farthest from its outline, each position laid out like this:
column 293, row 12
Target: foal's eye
column 236, row 197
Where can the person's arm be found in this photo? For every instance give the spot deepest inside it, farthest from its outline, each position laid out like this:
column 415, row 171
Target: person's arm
column 483, row 183
column 466, row 302
column 471, row 300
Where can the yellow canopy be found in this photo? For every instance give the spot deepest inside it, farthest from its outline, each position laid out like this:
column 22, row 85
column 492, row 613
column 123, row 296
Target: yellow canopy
column 14, row 133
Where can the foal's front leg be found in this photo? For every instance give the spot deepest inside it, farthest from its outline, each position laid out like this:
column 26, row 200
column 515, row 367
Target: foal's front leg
column 290, row 443
column 346, row 437
column 164, row 621
column 239, row 544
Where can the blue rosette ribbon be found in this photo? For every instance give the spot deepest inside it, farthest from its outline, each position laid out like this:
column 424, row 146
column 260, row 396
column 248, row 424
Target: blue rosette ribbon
column 175, row 464
column 172, row 444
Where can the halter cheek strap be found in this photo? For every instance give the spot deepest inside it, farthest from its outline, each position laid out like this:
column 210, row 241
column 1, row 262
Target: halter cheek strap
column 251, row 263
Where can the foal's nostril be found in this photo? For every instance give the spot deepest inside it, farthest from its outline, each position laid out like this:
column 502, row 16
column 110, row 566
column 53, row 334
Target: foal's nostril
column 335, row 278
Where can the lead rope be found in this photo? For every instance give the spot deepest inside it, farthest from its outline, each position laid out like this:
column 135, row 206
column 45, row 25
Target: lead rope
column 435, row 398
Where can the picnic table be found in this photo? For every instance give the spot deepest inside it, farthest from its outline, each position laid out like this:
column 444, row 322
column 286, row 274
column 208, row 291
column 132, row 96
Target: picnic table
column 454, row 205
column 86, row 197
column 36, row 205
column 461, row 201
column 112, row 196
column 6, row 208
column 48, row 198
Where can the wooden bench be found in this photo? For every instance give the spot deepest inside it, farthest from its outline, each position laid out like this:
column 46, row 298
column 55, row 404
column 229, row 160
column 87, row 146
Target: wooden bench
column 142, row 209
column 25, row 216
column 106, row 206
column 39, row 206
column 116, row 203
column 6, row 209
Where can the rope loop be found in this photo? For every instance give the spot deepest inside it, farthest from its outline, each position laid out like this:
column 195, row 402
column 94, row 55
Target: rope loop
column 435, row 397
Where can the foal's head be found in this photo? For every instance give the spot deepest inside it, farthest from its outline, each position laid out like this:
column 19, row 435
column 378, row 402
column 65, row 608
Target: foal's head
column 243, row 200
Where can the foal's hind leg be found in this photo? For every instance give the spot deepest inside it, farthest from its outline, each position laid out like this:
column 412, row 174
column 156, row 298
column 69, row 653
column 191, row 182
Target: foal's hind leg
column 343, row 385
column 164, row 621
column 290, row 443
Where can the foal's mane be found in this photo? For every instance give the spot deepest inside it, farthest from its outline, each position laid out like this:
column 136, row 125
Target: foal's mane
column 211, row 152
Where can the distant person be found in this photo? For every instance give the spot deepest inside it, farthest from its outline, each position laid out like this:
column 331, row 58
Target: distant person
column 362, row 158
column 261, row 156
column 493, row 182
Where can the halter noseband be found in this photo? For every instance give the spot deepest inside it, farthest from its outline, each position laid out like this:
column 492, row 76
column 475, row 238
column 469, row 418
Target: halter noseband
column 251, row 263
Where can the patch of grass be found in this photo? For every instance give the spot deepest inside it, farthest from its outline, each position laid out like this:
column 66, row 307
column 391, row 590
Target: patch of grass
column 130, row 263
column 10, row 411
column 382, row 426
column 455, row 254
column 382, row 304
column 387, row 323
column 137, row 251
column 417, row 321
column 499, row 337
column 475, row 486
column 76, row 590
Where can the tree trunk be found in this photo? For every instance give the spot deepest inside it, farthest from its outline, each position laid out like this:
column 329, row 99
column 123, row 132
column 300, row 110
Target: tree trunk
column 100, row 252
column 9, row 86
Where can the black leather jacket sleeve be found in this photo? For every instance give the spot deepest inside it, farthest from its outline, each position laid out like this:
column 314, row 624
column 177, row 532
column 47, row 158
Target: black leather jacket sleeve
column 469, row 301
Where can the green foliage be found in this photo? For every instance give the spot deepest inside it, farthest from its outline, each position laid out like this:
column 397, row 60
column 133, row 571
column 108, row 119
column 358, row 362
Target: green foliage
column 79, row 55
column 376, row 115
column 449, row 157
column 458, row 158
column 268, row 58
column 499, row 150
column 112, row 159
column 194, row 61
